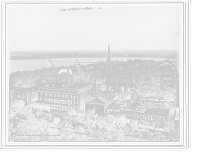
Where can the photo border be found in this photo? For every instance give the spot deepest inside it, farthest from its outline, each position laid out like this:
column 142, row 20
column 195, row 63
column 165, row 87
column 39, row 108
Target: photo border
column 185, row 102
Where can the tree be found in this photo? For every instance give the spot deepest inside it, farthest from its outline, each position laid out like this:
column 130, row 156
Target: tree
column 16, row 108
column 66, row 131
column 134, row 125
column 121, row 123
column 168, row 125
column 35, row 121
column 90, row 120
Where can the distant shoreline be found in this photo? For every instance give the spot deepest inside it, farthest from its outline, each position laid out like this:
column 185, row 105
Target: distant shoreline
column 89, row 56
column 170, row 54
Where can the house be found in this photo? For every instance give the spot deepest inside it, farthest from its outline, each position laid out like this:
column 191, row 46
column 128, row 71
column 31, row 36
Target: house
column 149, row 109
column 153, row 102
column 100, row 103
column 118, row 105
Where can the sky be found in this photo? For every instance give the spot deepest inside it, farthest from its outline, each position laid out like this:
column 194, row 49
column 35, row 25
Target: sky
column 124, row 27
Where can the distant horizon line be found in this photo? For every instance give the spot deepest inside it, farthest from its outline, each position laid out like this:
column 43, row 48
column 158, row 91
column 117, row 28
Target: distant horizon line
column 92, row 50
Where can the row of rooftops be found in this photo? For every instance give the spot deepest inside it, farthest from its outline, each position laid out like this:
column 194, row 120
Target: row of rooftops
column 122, row 74
column 153, row 99
column 134, row 107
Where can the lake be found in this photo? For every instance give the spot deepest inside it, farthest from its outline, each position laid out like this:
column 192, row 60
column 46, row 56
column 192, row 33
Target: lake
column 32, row 64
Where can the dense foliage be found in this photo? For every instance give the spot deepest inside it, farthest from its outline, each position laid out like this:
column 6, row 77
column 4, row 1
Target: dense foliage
column 37, row 123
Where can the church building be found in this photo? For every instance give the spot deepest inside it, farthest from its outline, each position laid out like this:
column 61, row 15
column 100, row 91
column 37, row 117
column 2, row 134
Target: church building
column 116, row 79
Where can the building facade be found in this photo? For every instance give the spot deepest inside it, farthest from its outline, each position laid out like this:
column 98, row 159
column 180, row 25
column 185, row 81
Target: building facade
column 153, row 102
column 121, row 78
column 30, row 94
column 97, row 104
column 147, row 109
column 100, row 102
column 61, row 96
column 70, row 75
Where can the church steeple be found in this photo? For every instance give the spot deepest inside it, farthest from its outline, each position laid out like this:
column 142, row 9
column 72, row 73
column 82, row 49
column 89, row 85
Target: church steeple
column 108, row 64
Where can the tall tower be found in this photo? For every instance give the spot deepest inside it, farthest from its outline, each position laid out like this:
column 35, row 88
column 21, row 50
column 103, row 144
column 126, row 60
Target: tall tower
column 108, row 60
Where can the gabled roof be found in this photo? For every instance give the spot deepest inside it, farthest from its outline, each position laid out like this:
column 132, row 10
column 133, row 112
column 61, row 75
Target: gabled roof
column 155, row 99
column 132, row 107
column 123, row 74
column 97, row 100
column 107, row 96
column 157, row 111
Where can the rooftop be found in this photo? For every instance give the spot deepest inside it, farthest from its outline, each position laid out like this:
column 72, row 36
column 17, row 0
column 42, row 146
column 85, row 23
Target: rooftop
column 120, row 101
column 123, row 74
column 159, row 112
column 141, row 111
column 132, row 107
column 106, row 95
column 66, row 85
column 32, row 89
column 96, row 100
column 152, row 99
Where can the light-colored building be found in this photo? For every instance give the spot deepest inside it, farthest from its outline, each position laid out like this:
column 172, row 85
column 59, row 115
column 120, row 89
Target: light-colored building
column 156, row 114
column 60, row 95
column 70, row 75
column 153, row 103
column 148, row 109
column 31, row 94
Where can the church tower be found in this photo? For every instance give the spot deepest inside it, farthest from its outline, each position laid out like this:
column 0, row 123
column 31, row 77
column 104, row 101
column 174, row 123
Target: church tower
column 108, row 63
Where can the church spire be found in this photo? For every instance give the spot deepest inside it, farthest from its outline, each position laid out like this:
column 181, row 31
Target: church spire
column 108, row 65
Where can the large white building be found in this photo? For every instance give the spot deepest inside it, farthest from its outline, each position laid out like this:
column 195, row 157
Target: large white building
column 61, row 96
